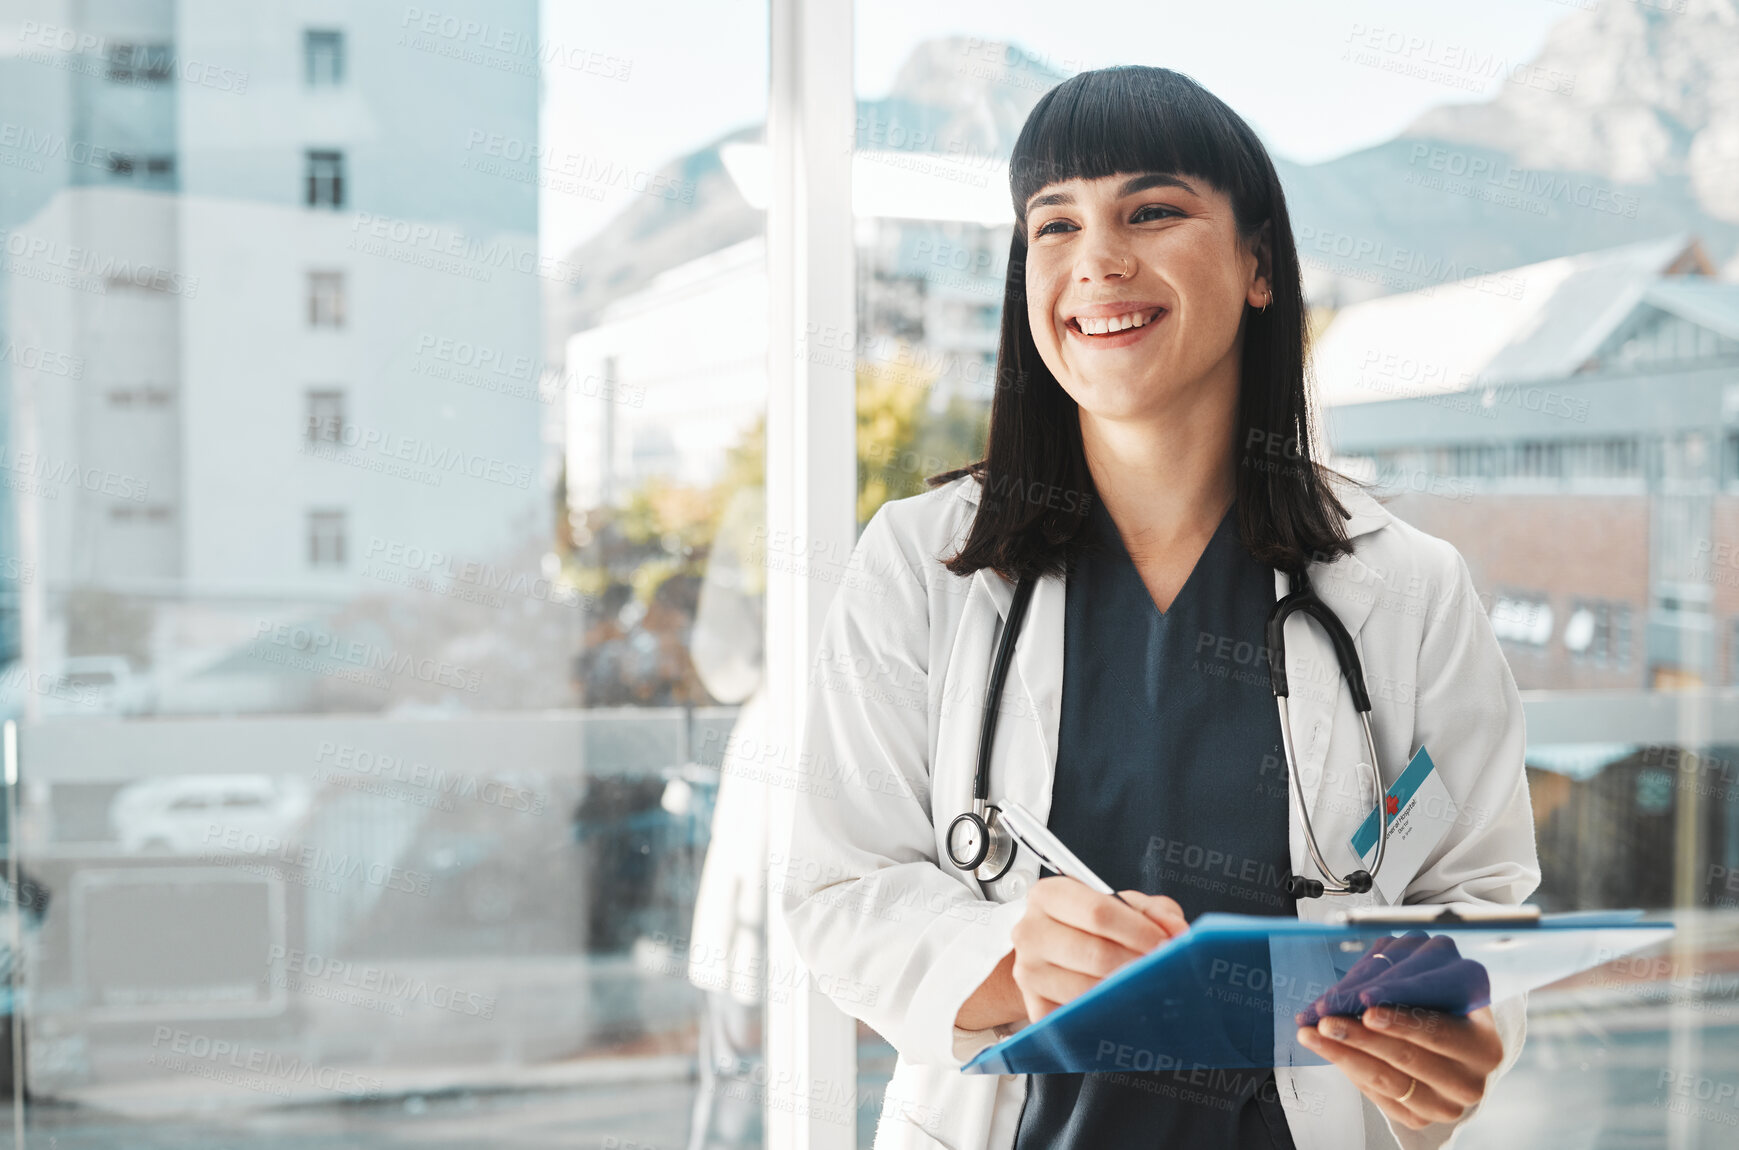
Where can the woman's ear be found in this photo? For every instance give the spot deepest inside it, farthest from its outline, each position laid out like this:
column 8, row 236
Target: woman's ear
column 1261, row 291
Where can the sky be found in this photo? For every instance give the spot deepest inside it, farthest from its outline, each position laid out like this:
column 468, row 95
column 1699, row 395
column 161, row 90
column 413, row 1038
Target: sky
column 698, row 68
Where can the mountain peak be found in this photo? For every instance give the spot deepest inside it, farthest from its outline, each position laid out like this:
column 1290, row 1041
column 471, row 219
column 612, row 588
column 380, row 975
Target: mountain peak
column 1629, row 91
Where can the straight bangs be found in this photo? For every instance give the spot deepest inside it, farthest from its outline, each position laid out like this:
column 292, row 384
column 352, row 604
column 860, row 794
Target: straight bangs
column 1132, row 119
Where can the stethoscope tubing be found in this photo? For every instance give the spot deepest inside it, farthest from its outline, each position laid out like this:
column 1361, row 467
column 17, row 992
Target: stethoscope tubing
column 1301, row 597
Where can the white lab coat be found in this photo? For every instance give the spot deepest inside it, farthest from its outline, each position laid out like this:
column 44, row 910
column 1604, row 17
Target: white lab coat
column 900, row 938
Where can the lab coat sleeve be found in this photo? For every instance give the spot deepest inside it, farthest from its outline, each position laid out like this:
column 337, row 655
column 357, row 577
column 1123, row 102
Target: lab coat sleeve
column 890, row 936
column 1469, row 716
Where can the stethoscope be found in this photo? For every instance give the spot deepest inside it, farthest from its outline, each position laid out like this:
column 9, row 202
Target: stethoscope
column 978, row 842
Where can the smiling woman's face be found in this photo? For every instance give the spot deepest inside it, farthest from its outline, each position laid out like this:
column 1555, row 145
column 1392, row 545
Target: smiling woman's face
column 1135, row 287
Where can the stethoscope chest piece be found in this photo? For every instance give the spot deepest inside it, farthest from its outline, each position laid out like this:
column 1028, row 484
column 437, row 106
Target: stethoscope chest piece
column 978, row 842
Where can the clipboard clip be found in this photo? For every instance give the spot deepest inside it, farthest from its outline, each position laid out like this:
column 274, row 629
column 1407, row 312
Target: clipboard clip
column 1438, row 914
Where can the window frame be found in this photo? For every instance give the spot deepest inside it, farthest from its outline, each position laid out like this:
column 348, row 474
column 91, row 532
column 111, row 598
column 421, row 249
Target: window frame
column 323, row 171
column 333, row 54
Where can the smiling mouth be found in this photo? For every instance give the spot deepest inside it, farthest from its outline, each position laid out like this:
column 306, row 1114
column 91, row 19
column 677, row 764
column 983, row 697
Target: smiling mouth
column 1113, row 325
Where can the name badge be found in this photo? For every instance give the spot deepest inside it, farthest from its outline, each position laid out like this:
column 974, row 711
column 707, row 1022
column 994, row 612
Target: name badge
column 1420, row 813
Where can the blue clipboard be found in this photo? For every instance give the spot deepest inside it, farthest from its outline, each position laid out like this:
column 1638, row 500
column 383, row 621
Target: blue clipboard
column 1227, row 992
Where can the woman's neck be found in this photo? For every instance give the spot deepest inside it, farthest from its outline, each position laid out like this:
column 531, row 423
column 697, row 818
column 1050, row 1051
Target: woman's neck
column 1166, row 482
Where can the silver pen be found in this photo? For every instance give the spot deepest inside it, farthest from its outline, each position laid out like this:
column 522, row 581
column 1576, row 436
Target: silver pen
column 1036, row 837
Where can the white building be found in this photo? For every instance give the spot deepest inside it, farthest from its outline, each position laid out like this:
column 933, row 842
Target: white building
column 303, row 297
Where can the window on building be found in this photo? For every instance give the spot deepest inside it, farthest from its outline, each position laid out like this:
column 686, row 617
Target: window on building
column 1568, row 460
column 133, row 512
column 325, row 179
column 326, row 538
column 325, row 415
column 323, row 57
column 151, row 169
column 143, row 397
column 325, row 299
column 130, row 63
column 1598, row 632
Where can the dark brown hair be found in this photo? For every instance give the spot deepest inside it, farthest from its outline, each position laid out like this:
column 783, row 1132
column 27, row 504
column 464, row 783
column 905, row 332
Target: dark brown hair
column 1036, row 488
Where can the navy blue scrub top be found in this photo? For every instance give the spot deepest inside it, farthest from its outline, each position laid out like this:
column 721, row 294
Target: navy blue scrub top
column 1170, row 780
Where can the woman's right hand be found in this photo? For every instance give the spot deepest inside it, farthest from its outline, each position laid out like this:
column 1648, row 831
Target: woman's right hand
column 1071, row 937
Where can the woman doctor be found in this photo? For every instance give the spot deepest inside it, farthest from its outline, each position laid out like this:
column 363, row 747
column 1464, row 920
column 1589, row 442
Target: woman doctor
column 1150, row 464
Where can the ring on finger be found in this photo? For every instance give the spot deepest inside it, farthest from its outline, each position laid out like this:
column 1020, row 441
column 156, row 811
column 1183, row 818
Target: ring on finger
column 1414, row 1086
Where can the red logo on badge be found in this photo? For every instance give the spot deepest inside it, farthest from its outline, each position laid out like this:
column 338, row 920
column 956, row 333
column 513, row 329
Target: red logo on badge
column 1394, row 804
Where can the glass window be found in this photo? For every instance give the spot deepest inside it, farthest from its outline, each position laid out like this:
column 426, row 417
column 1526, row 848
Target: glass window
column 324, row 422
column 413, row 719
column 326, row 299
column 325, row 179
column 326, row 538
column 139, row 63
column 323, row 57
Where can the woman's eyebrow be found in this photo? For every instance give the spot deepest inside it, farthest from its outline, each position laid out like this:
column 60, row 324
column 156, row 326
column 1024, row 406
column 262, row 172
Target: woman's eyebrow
column 1130, row 186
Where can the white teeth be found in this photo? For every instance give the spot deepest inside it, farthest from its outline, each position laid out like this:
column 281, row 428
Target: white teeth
column 1109, row 324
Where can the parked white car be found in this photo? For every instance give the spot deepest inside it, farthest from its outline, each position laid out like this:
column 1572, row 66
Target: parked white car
column 187, row 814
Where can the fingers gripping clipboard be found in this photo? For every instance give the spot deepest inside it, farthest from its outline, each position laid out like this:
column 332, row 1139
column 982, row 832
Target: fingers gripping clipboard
column 1227, row 993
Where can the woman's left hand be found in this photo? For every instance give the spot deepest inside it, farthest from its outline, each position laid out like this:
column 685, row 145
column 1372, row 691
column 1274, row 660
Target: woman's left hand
column 1448, row 1056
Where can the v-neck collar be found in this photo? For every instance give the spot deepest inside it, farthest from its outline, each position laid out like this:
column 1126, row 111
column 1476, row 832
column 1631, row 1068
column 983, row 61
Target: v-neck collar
column 1107, row 527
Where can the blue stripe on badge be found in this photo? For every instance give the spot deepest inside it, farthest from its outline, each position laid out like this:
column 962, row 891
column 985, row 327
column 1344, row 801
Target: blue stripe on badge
column 1416, row 773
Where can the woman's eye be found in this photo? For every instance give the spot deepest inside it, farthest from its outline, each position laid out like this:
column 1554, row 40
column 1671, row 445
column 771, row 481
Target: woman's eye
column 1141, row 212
